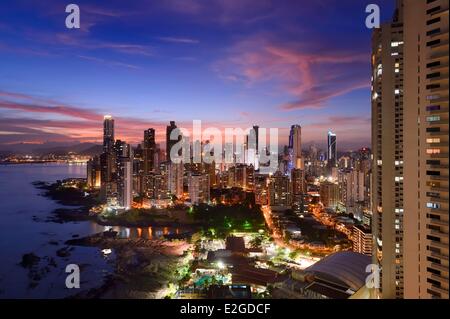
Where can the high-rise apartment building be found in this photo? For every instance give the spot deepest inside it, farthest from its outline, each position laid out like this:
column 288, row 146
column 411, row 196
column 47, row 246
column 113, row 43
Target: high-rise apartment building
column 149, row 150
column 169, row 142
column 175, row 179
column 331, row 149
column 298, row 189
column 387, row 145
column 198, row 186
column 295, row 145
column 108, row 133
column 410, row 150
column 280, row 191
column 362, row 240
column 329, row 194
column 425, row 143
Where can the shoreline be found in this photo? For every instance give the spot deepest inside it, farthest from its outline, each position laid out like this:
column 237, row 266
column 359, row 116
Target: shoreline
column 142, row 267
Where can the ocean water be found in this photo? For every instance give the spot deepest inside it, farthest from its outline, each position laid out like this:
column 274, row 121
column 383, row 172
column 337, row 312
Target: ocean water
column 23, row 229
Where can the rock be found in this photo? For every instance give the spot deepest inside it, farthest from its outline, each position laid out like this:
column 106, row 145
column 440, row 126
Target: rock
column 63, row 252
column 29, row 260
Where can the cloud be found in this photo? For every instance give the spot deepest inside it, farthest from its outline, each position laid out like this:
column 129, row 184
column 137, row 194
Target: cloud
column 109, row 62
column 302, row 71
column 179, row 40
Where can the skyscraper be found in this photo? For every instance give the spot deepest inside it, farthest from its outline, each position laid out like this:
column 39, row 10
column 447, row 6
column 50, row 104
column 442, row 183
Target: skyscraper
column 149, row 150
column 410, row 147
column 198, row 187
column 425, row 149
column 331, row 149
column 108, row 133
column 175, row 179
column 280, row 191
column 295, row 145
column 387, row 144
column 169, row 142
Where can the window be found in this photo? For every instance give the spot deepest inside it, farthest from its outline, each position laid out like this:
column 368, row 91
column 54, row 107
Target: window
column 433, row 64
column 434, row 42
column 433, row 108
column 433, row 10
column 433, row 118
column 433, row 205
column 433, row 75
column 433, row 140
column 433, row 129
column 432, row 21
column 433, row 32
column 397, row 91
column 433, row 151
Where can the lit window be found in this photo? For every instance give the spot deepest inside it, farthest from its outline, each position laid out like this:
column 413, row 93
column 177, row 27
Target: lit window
column 379, row 162
column 397, row 65
column 433, row 151
column 398, row 178
column 397, row 91
column 433, row 140
column 394, row 44
column 433, row 205
column 433, row 118
column 397, row 70
column 394, row 53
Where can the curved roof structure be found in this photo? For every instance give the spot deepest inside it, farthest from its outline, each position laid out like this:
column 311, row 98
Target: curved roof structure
column 344, row 268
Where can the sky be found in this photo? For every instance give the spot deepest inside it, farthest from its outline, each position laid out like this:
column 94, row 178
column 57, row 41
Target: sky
column 228, row 63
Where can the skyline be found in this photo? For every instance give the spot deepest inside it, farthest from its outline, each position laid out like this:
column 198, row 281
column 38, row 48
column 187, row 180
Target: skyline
column 274, row 68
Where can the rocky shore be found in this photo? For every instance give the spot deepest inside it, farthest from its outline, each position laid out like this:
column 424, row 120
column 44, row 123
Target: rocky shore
column 144, row 268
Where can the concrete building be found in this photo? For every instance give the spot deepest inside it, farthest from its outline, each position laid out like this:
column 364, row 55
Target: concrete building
column 280, row 191
column 362, row 240
column 410, row 151
column 329, row 194
column 295, row 145
column 199, row 189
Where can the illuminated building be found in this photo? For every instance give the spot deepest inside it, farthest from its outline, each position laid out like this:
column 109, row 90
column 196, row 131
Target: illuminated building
column 329, row 194
column 261, row 189
column 387, row 147
column 149, row 150
column 198, row 187
column 331, row 149
column 295, row 145
column 108, row 133
column 169, row 142
column 410, row 141
column 280, row 191
column 298, row 189
column 426, row 151
column 362, row 240
column 94, row 172
column 175, row 179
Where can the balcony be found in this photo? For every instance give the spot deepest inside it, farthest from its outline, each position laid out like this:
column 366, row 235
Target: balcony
column 440, row 212
column 436, row 244
column 437, row 133
column 440, row 155
column 438, row 233
column 438, row 267
column 439, row 278
column 438, row 256
column 438, row 222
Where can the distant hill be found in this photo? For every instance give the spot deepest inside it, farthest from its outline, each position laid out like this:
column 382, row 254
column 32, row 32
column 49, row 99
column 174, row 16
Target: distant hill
column 50, row 148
